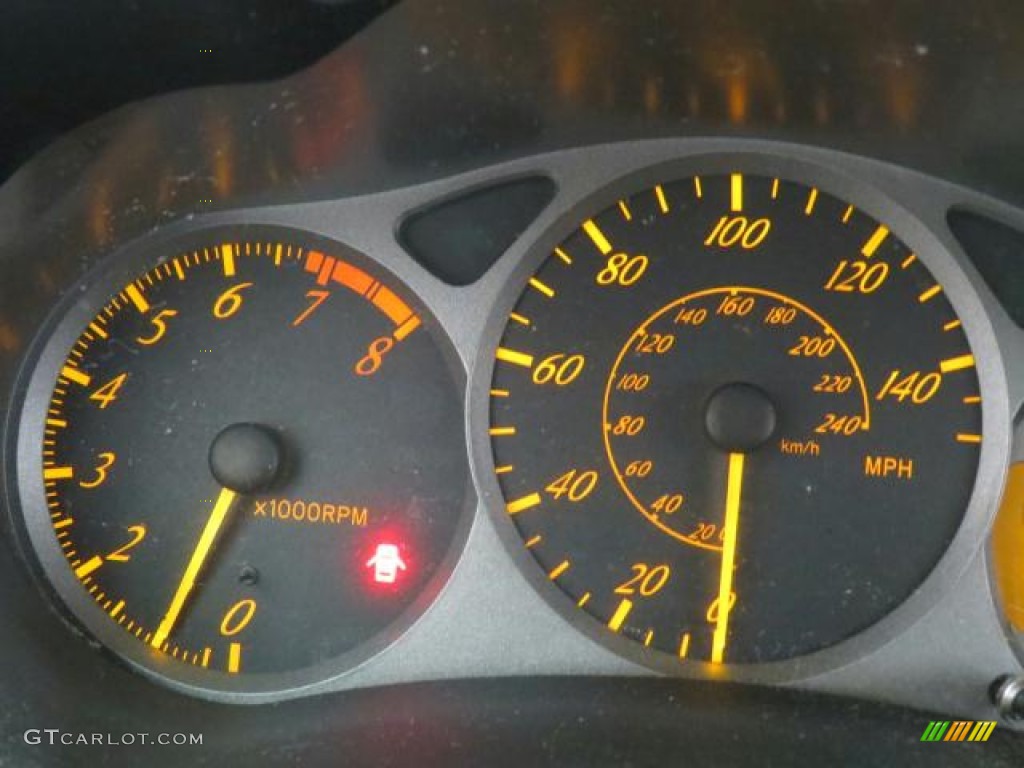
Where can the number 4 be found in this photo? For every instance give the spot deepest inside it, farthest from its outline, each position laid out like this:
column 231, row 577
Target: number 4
column 108, row 393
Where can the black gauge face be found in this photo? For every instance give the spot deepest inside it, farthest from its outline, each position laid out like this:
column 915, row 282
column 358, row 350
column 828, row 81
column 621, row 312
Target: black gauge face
column 253, row 459
column 734, row 419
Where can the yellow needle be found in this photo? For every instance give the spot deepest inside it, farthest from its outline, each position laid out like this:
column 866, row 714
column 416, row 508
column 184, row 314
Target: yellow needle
column 733, row 493
column 195, row 565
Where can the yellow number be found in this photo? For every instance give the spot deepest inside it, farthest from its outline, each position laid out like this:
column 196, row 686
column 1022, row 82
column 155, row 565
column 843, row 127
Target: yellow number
column 229, row 302
column 833, row 384
column 629, row 426
column 121, row 555
column 633, row 382
column 707, row 531
column 813, row 346
column 857, row 276
column 639, row 468
column 238, row 617
column 318, row 298
column 668, row 504
column 655, row 343
column 102, row 470
column 574, row 485
column 370, row 364
column 159, row 322
column 713, row 609
column 622, row 269
column 691, row 316
column 561, row 369
column 108, row 393
column 738, row 306
column 919, row 387
column 647, row 580
column 780, row 316
column 733, row 230
column 838, row 424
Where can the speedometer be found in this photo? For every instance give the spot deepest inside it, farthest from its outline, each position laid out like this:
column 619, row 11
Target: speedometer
column 733, row 417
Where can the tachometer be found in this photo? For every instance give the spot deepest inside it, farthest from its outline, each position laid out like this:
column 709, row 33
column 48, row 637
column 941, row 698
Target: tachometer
column 734, row 418
column 244, row 469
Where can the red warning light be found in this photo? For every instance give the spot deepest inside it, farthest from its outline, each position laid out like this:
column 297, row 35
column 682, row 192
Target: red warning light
column 386, row 563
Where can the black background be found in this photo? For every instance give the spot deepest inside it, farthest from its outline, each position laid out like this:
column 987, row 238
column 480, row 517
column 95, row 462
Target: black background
column 63, row 63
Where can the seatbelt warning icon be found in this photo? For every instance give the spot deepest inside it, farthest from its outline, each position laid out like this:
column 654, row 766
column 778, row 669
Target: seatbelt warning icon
column 386, row 563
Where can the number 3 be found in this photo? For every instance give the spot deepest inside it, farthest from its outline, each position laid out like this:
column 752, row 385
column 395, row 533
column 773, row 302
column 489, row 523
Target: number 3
column 102, row 470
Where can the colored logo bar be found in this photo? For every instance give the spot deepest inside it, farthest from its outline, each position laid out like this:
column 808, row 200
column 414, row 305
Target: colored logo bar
column 959, row 730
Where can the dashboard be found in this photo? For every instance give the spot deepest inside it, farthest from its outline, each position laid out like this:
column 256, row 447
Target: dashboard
column 517, row 371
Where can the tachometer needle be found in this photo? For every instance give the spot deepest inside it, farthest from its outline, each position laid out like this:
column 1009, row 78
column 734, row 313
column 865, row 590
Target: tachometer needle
column 214, row 524
column 733, row 494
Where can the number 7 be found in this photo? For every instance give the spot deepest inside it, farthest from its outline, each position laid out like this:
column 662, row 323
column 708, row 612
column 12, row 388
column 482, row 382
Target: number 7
column 318, row 297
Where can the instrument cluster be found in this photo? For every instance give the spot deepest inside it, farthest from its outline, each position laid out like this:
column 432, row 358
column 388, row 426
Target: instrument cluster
column 727, row 410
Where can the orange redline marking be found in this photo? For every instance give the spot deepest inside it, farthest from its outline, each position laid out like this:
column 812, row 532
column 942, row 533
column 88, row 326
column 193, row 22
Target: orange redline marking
column 227, row 257
column 391, row 305
column 98, row 331
column 538, row 285
column 406, row 328
column 812, row 198
column 967, row 438
column 234, row 658
column 619, row 617
column 626, row 213
column 58, row 473
column 352, row 277
column 75, row 375
column 327, row 268
column 526, row 502
column 951, row 325
column 137, row 298
column 957, row 363
column 597, row 236
column 313, row 261
column 874, row 241
column 930, row 293
column 697, row 187
column 514, row 357
column 565, row 257
column 88, row 566
column 502, row 431
column 908, row 261
column 558, row 570
column 662, row 202
column 972, row 399
column 847, row 214
column 736, row 192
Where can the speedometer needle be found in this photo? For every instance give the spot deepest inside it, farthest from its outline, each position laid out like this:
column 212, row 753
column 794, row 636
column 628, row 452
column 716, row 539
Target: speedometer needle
column 221, row 508
column 733, row 494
